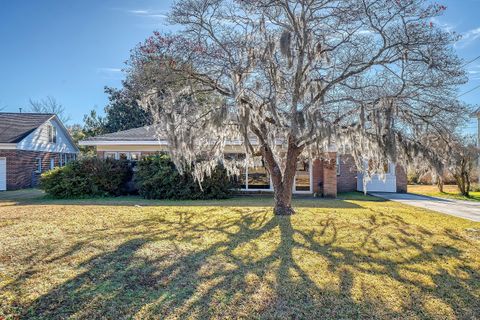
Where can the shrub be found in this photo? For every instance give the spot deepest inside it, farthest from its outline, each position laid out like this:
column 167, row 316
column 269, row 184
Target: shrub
column 88, row 178
column 475, row 187
column 157, row 178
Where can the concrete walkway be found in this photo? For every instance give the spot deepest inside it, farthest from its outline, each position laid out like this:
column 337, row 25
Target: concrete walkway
column 464, row 209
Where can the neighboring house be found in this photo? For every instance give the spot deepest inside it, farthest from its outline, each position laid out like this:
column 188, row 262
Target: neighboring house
column 31, row 143
column 326, row 177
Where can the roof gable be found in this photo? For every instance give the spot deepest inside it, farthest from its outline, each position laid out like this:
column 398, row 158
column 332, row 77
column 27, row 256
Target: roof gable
column 14, row 127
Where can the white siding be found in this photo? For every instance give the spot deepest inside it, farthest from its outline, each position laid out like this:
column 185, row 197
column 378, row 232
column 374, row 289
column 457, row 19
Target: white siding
column 38, row 140
column 377, row 184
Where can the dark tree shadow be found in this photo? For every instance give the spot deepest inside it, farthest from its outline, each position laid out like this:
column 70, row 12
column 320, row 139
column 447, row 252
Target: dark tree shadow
column 141, row 279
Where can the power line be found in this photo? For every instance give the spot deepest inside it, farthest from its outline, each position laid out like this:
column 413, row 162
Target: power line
column 475, row 88
column 467, row 63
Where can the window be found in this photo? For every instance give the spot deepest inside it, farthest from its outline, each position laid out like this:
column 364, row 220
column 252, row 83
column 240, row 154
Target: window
column 337, row 163
column 258, row 177
column 134, row 156
column 123, row 155
column 239, row 180
column 52, row 163
column 302, row 177
column 110, row 155
column 52, row 134
column 39, row 165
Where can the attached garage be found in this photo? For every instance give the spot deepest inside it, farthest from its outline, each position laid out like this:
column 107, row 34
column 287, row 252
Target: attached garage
column 377, row 183
column 3, row 174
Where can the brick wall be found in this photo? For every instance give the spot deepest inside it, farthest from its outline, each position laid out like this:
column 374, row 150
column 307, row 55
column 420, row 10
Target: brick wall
column 22, row 167
column 330, row 176
column 401, row 175
column 324, row 175
column 347, row 179
column 317, row 176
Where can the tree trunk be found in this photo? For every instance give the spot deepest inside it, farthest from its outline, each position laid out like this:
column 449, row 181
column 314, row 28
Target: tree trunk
column 468, row 187
column 461, row 183
column 283, row 199
column 283, row 181
column 440, row 184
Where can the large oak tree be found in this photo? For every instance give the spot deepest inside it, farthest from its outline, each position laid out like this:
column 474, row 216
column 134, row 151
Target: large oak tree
column 289, row 79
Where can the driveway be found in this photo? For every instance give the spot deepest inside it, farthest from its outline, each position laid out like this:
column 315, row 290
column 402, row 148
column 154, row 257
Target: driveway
column 464, row 209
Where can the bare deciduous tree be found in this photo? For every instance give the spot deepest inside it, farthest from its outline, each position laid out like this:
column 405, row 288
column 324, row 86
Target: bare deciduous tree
column 49, row 105
column 462, row 161
column 288, row 79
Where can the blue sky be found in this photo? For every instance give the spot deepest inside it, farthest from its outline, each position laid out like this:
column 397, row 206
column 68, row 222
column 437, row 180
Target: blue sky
column 72, row 49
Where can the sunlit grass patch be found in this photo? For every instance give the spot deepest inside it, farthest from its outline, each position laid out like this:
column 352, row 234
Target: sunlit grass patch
column 359, row 257
column 449, row 192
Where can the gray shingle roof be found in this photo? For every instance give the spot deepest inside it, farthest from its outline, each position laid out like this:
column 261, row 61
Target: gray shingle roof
column 14, row 127
column 147, row 133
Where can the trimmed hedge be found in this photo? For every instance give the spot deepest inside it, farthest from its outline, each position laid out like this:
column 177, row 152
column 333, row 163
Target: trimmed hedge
column 90, row 177
column 157, row 178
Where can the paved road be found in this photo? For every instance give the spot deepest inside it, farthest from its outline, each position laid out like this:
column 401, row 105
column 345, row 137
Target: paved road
column 463, row 209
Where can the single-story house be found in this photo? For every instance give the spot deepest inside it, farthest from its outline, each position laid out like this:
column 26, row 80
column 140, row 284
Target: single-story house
column 324, row 177
column 31, row 143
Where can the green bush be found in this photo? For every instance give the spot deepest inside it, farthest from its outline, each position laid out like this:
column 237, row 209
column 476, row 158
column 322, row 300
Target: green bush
column 157, row 178
column 90, row 177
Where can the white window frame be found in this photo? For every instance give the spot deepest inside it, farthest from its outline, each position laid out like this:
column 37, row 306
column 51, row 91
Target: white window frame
column 310, row 167
column 52, row 163
column 139, row 155
column 115, row 155
column 39, row 165
column 52, row 134
column 255, row 189
column 127, row 154
column 337, row 164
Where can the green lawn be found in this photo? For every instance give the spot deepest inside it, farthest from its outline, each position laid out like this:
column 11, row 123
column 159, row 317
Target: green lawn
column 356, row 258
column 449, row 192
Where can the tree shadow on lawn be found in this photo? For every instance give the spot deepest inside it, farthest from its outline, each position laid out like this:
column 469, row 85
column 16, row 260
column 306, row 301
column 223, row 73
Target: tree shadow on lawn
column 265, row 267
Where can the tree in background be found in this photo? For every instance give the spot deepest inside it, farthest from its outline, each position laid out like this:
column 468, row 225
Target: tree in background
column 292, row 77
column 462, row 161
column 49, row 105
column 78, row 134
column 121, row 113
column 452, row 153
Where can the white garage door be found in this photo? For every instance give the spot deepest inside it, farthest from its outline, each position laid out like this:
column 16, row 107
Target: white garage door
column 388, row 183
column 3, row 174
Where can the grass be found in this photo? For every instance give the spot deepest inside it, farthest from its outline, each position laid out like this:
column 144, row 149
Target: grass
column 356, row 258
column 449, row 192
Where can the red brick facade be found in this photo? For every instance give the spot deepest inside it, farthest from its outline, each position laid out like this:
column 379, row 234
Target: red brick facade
column 324, row 175
column 401, row 177
column 22, row 167
column 327, row 181
column 347, row 174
